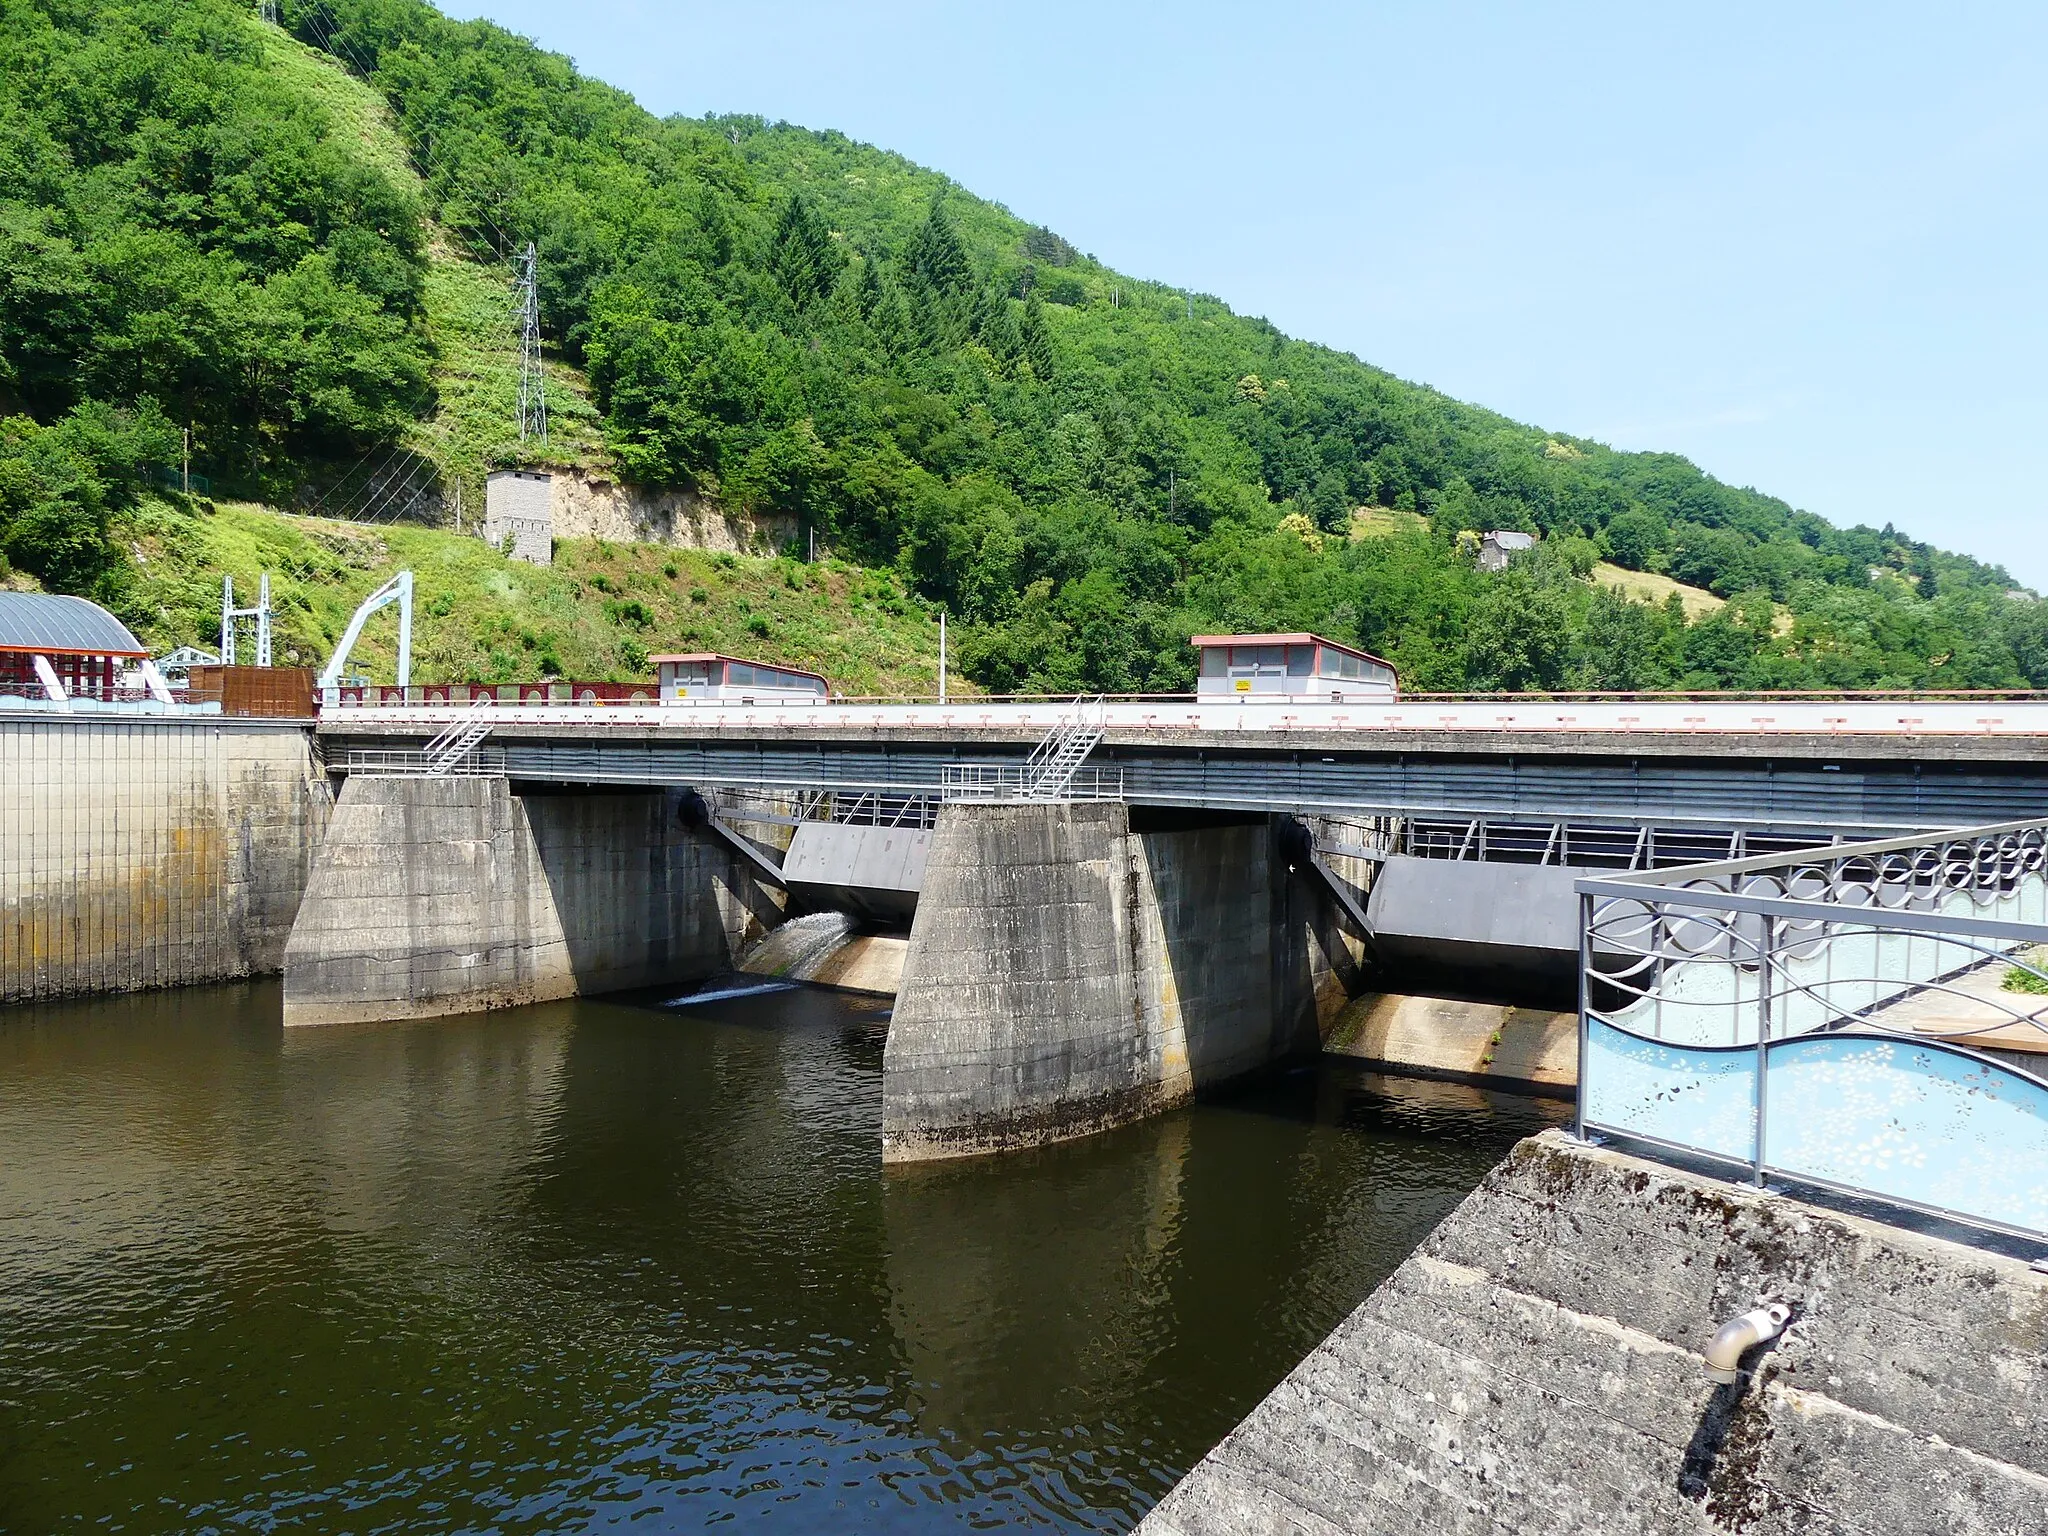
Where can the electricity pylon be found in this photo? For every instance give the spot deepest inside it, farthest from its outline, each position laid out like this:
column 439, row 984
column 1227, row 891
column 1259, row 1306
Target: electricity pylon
column 533, row 395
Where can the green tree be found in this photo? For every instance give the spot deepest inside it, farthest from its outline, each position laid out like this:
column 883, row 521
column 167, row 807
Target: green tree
column 1034, row 340
column 935, row 260
column 802, row 254
column 1521, row 632
column 1634, row 538
column 60, row 484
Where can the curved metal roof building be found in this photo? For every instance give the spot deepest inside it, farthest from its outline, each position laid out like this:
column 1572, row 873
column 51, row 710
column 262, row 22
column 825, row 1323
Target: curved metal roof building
column 48, row 625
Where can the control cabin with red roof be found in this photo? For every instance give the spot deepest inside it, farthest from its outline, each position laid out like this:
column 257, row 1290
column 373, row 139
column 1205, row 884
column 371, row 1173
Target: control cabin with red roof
column 1276, row 668
column 709, row 676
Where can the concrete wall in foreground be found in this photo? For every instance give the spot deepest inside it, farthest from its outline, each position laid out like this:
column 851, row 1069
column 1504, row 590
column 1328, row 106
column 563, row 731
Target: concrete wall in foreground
column 1535, row 1367
column 151, row 852
column 443, row 896
column 1066, row 974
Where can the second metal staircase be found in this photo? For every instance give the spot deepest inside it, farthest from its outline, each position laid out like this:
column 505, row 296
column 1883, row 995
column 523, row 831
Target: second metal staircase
column 1049, row 771
column 461, row 737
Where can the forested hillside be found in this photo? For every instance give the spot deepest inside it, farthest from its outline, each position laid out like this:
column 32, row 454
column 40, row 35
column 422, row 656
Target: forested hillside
column 1083, row 468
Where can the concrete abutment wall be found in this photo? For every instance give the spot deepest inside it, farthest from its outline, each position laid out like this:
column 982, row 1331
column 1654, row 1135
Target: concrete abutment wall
column 151, row 852
column 443, row 896
column 1069, row 972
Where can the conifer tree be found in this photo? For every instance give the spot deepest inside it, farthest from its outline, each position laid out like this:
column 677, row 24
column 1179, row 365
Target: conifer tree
column 935, row 260
column 867, row 293
column 803, row 257
column 986, row 314
column 1034, row 341
column 892, row 323
column 1000, row 335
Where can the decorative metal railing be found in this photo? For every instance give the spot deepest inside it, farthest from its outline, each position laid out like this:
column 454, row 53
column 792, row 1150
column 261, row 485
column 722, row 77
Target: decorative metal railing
column 1859, row 1017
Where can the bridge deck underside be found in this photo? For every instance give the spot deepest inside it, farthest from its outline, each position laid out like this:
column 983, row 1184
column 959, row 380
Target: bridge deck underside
column 1715, row 788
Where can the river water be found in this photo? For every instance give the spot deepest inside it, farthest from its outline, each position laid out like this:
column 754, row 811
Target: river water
column 601, row 1264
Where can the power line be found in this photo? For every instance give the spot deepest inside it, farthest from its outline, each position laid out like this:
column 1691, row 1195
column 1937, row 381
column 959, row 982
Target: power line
column 336, row 43
column 391, row 445
column 402, row 493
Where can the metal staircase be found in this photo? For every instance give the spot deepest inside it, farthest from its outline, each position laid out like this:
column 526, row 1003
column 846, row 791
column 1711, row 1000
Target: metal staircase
column 1049, row 771
column 452, row 747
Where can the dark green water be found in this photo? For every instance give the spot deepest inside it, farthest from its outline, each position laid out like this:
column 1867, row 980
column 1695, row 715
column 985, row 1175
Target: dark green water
column 592, row 1265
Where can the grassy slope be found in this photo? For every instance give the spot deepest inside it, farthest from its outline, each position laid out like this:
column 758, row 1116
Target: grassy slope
column 1642, row 586
column 595, row 614
column 1384, row 522
column 1649, row 587
column 474, row 427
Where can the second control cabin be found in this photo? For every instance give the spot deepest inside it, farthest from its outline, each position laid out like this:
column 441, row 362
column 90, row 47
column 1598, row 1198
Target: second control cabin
column 708, row 675
column 1251, row 668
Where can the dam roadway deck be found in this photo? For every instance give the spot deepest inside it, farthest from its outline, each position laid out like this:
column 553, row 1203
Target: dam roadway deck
column 1788, row 763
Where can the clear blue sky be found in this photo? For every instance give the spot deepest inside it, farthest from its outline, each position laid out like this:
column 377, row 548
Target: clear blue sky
column 1801, row 244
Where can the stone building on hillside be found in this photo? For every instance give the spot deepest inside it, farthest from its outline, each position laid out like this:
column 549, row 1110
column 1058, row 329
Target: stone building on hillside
column 519, row 514
column 1497, row 548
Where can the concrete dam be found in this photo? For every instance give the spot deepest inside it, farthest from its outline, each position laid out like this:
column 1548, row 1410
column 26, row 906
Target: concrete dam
column 1192, row 907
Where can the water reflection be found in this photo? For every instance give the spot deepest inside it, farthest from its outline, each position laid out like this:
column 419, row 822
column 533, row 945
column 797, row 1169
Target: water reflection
column 573, row 1264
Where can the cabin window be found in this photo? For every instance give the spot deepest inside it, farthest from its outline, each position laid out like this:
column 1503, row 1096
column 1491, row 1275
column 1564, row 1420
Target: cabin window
column 1301, row 660
column 1342, row 664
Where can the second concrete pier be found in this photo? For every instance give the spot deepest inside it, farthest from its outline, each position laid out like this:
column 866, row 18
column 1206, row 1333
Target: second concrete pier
column 1068, row 972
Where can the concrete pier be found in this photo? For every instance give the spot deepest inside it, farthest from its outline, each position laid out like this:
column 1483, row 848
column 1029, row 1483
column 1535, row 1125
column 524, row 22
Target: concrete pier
column 1068, row 972
column 442, row 896
column 1536, row 1367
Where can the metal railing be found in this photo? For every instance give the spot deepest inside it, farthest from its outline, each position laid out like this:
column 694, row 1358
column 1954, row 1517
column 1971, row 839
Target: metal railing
column 1866, row 1017
column 638, row 706
column 1589, row 844
column 1014, row 781
column 912, row 808
column 92, row 695
column 564, row 692
column 379, row 763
